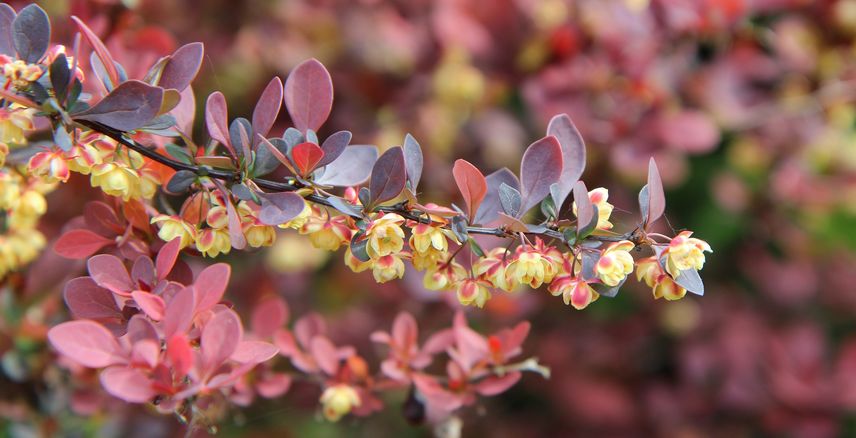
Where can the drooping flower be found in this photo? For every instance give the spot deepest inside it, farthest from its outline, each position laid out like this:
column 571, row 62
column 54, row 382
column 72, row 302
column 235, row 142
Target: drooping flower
column 530, row 267
column 213, row 242
column 494, row 268
column 327, row 234
column 599, row 197
column 660, row 282
column 116, row 180
column 575, row 291
column 386, row 268
column 615, row 263
column 51, row 166
column 473, row 292
column 172, row 227
column 339, row 400
column 385, row 236
column 685, row 252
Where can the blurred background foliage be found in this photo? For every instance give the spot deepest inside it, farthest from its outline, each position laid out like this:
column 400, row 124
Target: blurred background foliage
column 747, row 105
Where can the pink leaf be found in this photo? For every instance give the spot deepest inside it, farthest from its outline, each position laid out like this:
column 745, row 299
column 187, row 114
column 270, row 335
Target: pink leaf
column 166, row 258
column 273, row 385
column 405, row 332
column 211, row 285
column 308, row 327
column 689, row 131
column 145, row 352
column 267, row 108
column 254, row 352
column 573, row 153
column 306, row 157
column 109, row 272
column 80, row 244
column 217, row 120
column 325, row 354
column 87, row 300
column 497, row 385
column 540, row 168
column 139, row 329
column 472, row 185
column 179, row 313
column 586, row 218
column 220, row 338
column 656, row 197
column 185, row 111
column 180, row 354
column 100, row 50
column 151, row 304
column 143, row 272
column 87, row 343
column 236, row 233
column 280, row 207
column 182, row 67
column 128, row 384
column 269, row 315
column 309, row 95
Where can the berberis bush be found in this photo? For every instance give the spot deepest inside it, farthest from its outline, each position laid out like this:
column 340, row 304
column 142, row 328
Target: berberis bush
column 158, row 334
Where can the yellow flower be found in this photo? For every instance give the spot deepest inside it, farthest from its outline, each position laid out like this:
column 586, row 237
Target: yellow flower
column 339, row 400
column 259, row 235
column 494, row 268
column 662, row 285
column 426, row 238
column 116, row 180
column 530, row 267
column 172, row 227
column 217, row 217
column 213, row 242
column 473, row 292
column 354, row 263
column 668, row 289
column 445, row 277
column 10, row 189
column 615, row 263
column 327, row 234
column 20, row 73
column 32, row 203
column 574, row 291
column 685, row 252
column 300, row 220
column 4, row 151
column 598, row 197
column 13, row 122
column 385, row 236
column 82, row 157
column 51, row 166
column 386, row 268
column 648, row 269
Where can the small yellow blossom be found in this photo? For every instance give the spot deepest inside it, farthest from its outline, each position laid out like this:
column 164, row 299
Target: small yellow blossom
column 574, row 291
column 685, row 252
column 338, row 401
column 386, row 268
column 385, row 236
column 599, row 197
column 444, row 277
column 51, row 166
column 213, row 242
column 530, row 267
column 494, row 268
column 172, row 227
column 473, row 292
column 327, row 234
column 615, row 263
column 354, row 263
column 20, row 73
column 300, row 220
column 259, row 235
column 116, row 180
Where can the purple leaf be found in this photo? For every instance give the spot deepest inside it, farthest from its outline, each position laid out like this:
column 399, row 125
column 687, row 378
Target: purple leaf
column 31, row 33
column 491, row 205
column 185, row 111
column 353, row 167
column 586, row 213
column 129, row 106
column 143, row 271
column 87, row 343
column 309, row 95
column 656, row 197
column 573, row 154
column 541, row 166
column 128, row 384
column 220, row 338
column 333, row 147
column 690, row 280
column 510, row 200
column 388, row 176
column 279, row 208
column 267, row 108
column 166, row 258
column 413, row 161
column 236, row 232
column 100, row 51
column 182, row 67
column 7, row 43
column 211, row 285
column 179, row 312
column 88, row 301
column 217, row 120
column 109, row 272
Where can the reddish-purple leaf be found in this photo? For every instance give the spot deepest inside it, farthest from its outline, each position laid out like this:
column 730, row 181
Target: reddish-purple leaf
column 88, row 301
column 87, row 343
column 268, row 316
column 281, row 207
column 182, row 67
column 80, row 244
column 656, row 197
column 309, row 95
column 217, row 120
column 413, row 161
column 140, row 328
column 267, row 108
column 179, row 312
column 236, row 233
column 573, row 154
column 308, row 327
column 491, row 205
column 405, row 332
column 7, row 16
column 109, row 272
column 211, row 285
column 306, row 157
column 185, row 111
column 100, row 50
column 325, row 354
column 180, row 354
column 102, row 219
column 143, row 272
column 333, row 146
column 166, row 258
column 388, row 176
column 220, row 338
column 128, row 384
column 472, row 185
column 254, row 352
column 31, row 33
column 273, row 385
column 353, row 167
column 151, row 304
column 585, row 209
column 541, row 166
column 129, row 106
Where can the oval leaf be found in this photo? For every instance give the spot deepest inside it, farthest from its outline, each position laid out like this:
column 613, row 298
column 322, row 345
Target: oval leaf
column 217, row 120
column 388, row 176
column 491, row 205
column 573, row 154
column 541, row 167
column 309, row 95
column 472, row 185
column 128, row 384
column 413, row 161
column 211, row 285
column 166, row 258
column 279, row 208
column 333, row 146
column 130, row 106
column 656, row 197
column 100, row 51
column 88, row 301
column 87, row 343
column 353, row 167
column 220, row 338
column 7, row 41
column 79, row 244
column 31, row 33
column 306, row 157
column 182, row 67
column 267, row 108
